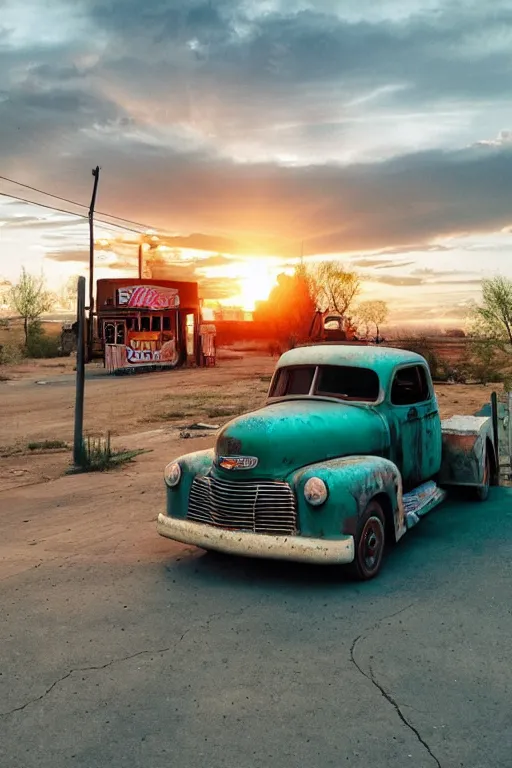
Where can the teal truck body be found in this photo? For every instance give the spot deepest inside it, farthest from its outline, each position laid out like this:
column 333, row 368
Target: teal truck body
column 347, row 454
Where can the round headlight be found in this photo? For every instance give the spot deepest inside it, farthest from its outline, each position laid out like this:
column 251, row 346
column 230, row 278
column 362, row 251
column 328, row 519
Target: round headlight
column 172, row 474
column 315, row 491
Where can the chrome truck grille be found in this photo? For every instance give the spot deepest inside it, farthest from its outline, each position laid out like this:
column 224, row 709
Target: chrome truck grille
column 263, row 506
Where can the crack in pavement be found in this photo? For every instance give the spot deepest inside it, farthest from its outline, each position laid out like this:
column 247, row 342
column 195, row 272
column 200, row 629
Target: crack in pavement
column 79, row 669
column 205, row 623
column 389, row 698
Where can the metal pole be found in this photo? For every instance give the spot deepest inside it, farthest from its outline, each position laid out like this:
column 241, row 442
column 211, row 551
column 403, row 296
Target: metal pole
column 495, row 433
column 90, row 334
column 140, row 261
column 80, row 375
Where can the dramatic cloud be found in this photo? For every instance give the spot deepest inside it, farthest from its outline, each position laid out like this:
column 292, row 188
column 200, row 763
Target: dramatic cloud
column 405, row 202
column 78, row 257
column 504, row 139
column 261, row 128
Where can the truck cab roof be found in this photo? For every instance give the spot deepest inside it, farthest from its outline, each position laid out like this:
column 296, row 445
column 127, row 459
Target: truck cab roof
column 382, row 360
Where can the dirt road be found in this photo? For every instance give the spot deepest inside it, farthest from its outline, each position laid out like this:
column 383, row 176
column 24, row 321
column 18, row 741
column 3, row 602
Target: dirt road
column 37, row 404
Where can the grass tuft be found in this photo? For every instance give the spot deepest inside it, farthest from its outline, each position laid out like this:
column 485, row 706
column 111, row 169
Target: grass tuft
column 172, row 415
column 98, row 456
column 46, row 445
column 215, row 412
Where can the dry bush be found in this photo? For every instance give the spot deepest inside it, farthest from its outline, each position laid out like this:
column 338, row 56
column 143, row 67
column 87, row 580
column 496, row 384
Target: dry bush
column 11, row 354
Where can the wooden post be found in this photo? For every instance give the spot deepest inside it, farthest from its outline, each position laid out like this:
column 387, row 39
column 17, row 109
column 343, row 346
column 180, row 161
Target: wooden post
column 90, row 334
column 80, row 375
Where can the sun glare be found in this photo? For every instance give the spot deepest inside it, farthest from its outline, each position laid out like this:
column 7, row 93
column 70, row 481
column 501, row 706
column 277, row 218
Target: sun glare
column 256, row 281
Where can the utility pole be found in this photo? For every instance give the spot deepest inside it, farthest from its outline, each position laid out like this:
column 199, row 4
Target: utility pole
column 90, row 334
column 80, row 375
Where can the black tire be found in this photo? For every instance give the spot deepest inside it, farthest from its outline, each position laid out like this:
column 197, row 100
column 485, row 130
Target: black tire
column 482, row 491
column 369, row 543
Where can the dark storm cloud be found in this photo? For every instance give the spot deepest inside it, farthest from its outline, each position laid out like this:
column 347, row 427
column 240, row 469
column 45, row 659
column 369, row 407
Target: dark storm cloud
column 406, row 201
column 37, row 124
column 403, row 203
column 144, row 80
column 434, row 54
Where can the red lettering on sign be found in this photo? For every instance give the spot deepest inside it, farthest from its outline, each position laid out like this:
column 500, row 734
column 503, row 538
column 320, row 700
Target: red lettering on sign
column 148, row 297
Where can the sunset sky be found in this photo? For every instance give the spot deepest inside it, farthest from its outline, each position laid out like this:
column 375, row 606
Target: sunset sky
column 376, row 133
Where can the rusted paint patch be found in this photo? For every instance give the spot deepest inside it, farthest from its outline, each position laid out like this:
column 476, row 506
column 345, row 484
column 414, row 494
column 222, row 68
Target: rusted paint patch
column 464, row 447
column 286, row 436
column 353, row 482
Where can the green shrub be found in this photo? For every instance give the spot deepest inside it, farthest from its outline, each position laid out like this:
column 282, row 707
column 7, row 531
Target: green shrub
column 484, row 365
column 39, row 344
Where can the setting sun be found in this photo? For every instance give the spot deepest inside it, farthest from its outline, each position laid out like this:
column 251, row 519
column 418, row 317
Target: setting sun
column 254, row 277
column 256, row 285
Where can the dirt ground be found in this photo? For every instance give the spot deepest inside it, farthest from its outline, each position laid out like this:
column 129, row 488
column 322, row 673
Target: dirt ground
column 148, row 411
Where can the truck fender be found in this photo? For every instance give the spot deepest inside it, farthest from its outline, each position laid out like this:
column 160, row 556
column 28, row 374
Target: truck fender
column 192, row 465
column 353, row 482
column 466, row 441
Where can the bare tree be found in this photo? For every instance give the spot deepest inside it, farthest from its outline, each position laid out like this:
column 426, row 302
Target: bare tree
column 335, row 288
column 373, row 313
column 30, row 299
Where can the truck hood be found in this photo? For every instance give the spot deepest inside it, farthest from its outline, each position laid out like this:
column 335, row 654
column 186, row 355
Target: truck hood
column 287, row 435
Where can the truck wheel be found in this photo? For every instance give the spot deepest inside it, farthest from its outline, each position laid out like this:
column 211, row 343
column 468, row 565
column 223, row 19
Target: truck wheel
column 482, row 491
column 369, row 543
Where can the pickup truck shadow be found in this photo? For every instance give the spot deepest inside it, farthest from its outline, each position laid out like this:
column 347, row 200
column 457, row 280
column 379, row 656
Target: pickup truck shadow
column 442, row 545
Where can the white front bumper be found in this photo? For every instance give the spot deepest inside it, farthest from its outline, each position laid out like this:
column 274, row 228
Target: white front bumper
column 296, row 548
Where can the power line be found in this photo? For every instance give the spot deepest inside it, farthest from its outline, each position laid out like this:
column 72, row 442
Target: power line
column 69, row 213
column 74, row 202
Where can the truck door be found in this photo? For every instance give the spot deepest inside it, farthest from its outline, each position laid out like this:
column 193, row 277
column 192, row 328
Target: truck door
column 417, row 425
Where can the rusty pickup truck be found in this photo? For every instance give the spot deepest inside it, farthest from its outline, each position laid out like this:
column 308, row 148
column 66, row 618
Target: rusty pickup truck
column 348, row 453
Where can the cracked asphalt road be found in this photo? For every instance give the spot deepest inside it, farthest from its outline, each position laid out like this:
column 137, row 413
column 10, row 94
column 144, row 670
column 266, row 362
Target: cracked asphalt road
column 119, row 648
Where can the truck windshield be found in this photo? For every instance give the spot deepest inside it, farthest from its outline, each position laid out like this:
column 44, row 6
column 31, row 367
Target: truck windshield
column 341, row 381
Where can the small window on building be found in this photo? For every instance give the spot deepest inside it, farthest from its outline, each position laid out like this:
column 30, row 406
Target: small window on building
column 110, row 333
column 120, row 333
column 410, row 386
column 166, row 323
column 145, row 323
column 155, row 323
